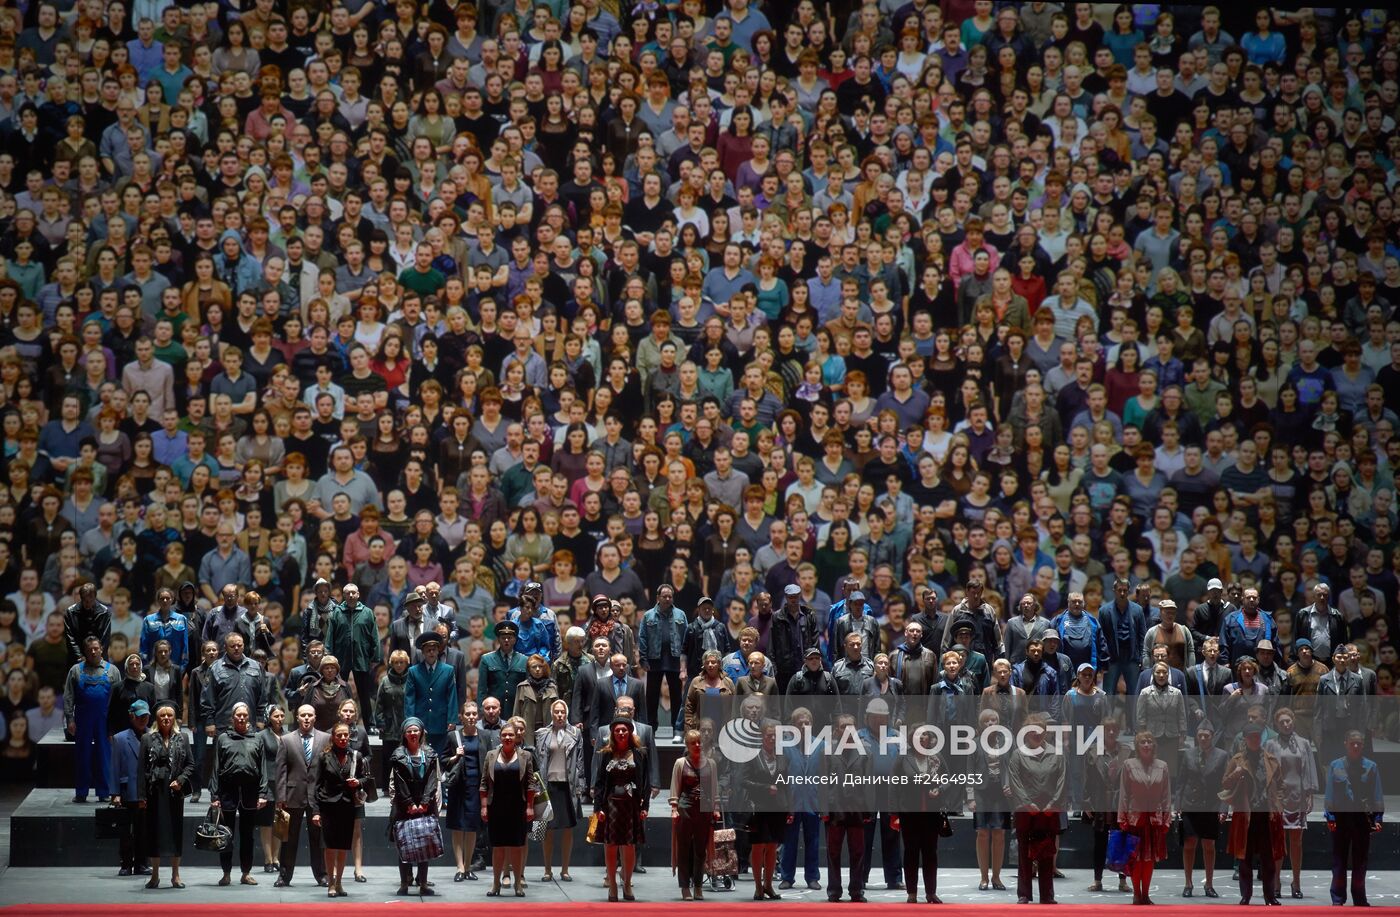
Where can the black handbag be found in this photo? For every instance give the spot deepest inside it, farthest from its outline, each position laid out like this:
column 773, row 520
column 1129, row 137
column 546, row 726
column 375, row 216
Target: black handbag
column 111, row 822
column 212, row 834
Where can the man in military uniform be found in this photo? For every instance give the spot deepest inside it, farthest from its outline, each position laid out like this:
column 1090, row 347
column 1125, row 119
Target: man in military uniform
column 431, row 692
column 503, row 669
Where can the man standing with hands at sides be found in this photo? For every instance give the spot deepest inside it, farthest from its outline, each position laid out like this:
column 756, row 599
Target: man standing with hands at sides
column 793, row 632
column 316, row 618
column 501, row 671
column 233, row 678
column 351, row 637
column 126, row 755
column 430, row 693
column 239, row 790
column 1322, row 624
column 660, row 644
column 85, row 618
column 86, row 694
column 1355, row 804
column 297, row 755
column 984, row 638
column 835, row 646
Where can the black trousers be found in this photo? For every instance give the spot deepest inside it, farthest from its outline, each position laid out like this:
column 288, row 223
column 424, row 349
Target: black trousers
column 1351, row 844
column 1101, row 848
column 247, row 837
column 1260, row 844
column 290, row 847
column 919, row 832
column 673, row 683
column 853, row 836
column 407, row 877
column 890, row 861
column 364, row 690
column 693, row 835
column 133, row 837
column 1028, row 824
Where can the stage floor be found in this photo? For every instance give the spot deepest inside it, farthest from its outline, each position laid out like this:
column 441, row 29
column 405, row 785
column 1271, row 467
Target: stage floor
column 86, row 889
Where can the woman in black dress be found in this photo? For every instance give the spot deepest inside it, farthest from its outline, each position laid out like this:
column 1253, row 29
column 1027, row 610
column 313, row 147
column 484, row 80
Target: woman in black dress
column 349, row 714
column 621, row 792
column 338, row 778
column 771, row 802
column 164, row 778
column 463, row 785
column 508, row 792
column 1202, row 770
column 414, row 781
column 269, row 736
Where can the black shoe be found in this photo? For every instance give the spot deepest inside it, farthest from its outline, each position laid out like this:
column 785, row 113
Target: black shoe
column 281, row 883
column 639, row 869
column 322, row 882
column 1243, row 902
column 894, row 886
column 857, row 899
column 460, row 877
column 471, row 876
column 1297, row 893
column 833, row 898
column 814, row 886
column 425, row 891
column 361, row 879
column 784, row 885
column 1211, row 892
column 269, row 868
column 124, row 871
column 1273, row 903
column 142, row 871
column 1023, row 901
column 80, row 799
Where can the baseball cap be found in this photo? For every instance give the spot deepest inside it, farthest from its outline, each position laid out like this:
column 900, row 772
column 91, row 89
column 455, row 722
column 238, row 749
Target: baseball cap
column 1214, row 584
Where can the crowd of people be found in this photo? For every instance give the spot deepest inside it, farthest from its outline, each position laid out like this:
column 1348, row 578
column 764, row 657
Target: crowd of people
column 533, row 374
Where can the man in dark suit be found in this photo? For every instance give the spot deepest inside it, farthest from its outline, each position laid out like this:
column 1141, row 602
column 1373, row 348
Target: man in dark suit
column 586, row 683
column 626, row 706
column 1205, row 683
column 404, row 633
column 503, row 669
column 610, row 688
column 297, row 755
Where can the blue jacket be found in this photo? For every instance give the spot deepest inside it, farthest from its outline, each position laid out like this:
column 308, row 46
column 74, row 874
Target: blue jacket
column 539, row 636
column 1108, row 622
column 654, row 631
column 175, row 630
column 1343, row 796
column 1235, row 640
column 1095, row 651
column 126, row 757
column 433, row 699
